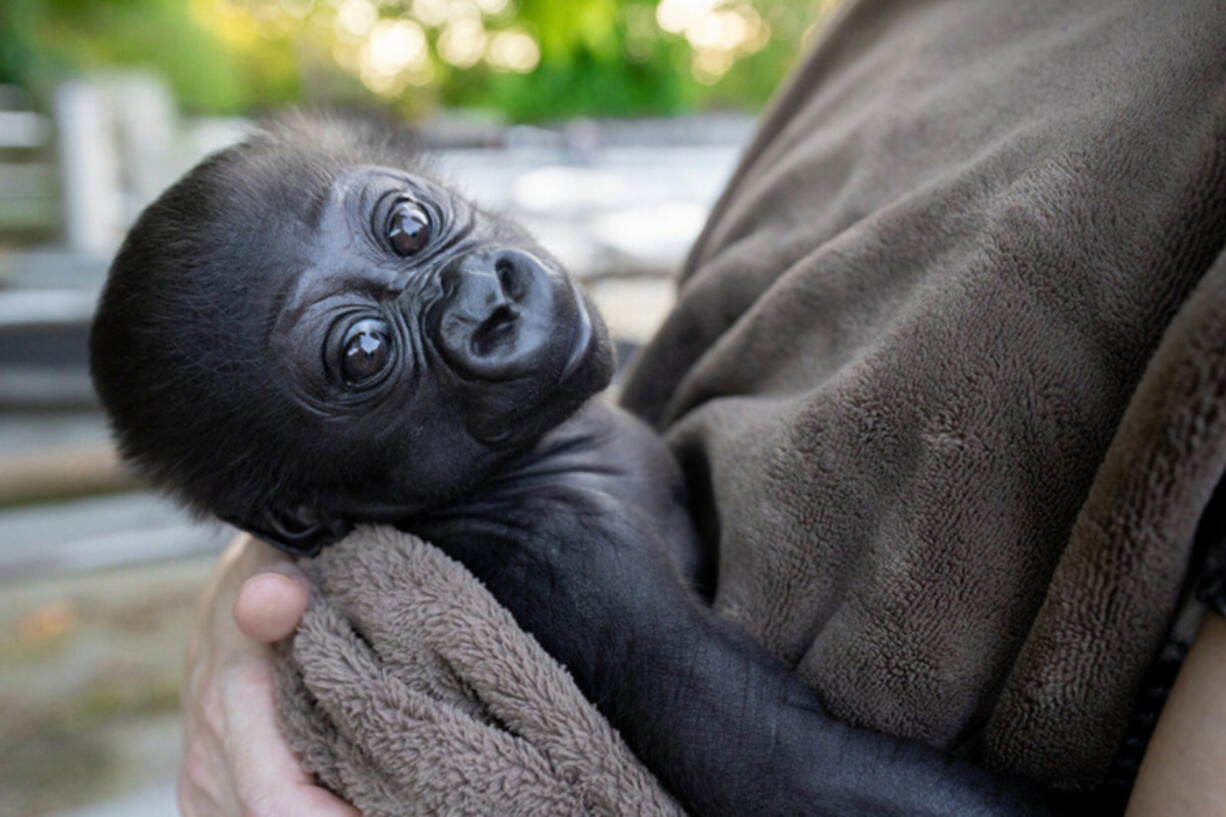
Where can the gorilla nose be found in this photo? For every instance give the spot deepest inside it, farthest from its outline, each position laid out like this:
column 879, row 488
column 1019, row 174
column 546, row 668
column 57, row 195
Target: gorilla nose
column 497, row 313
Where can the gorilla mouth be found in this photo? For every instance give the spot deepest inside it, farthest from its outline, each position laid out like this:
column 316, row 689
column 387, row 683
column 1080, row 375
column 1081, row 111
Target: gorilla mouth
column 581, row 337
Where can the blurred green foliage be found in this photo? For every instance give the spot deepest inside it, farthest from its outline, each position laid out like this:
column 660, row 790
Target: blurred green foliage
column 44, row 40
column 554, row 59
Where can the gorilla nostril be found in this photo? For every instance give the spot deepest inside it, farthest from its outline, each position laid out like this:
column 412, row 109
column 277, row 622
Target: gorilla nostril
column 509, row 278
column 449, row 281
column 494, row 330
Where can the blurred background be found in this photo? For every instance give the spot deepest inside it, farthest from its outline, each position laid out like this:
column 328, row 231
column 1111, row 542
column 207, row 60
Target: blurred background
column 607, row 126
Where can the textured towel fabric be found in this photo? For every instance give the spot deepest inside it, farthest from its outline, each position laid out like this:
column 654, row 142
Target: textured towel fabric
column 948, row 380
column 410, row 691
column 948, row 371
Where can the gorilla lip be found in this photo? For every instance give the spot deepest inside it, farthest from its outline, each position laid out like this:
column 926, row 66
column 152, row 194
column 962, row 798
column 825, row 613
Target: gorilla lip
column 582, row 337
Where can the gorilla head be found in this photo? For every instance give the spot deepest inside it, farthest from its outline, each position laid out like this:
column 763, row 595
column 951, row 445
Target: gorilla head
column 306, row 331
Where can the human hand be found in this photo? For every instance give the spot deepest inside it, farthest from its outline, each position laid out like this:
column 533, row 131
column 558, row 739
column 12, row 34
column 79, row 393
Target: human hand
column 235, row 760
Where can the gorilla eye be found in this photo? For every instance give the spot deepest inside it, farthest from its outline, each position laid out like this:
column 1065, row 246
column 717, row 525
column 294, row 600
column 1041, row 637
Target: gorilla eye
column 408, row 229
column 366, row 352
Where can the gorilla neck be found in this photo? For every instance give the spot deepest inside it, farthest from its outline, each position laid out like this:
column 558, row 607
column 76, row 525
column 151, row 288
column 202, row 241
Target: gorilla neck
column 602, row 468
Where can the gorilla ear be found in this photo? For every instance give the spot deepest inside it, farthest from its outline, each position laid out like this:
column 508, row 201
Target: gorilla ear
column 299, row 531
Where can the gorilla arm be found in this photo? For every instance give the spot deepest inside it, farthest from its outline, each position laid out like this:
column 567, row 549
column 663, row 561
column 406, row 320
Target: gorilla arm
column 581, row 562
column 754, row 739
column 727, row 728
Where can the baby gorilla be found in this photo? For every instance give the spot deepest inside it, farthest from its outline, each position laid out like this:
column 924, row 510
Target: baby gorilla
column 307, row 332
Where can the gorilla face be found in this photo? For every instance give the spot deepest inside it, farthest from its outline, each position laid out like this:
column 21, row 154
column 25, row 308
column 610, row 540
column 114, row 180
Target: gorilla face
column 296, row 343
column 417, row 311
column 429, row 339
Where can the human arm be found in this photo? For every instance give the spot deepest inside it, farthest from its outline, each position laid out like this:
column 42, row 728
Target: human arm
column 235, row 760
column 1184, row 767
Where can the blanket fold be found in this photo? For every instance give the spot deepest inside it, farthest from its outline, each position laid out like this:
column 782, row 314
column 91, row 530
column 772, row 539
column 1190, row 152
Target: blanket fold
column 408, row 690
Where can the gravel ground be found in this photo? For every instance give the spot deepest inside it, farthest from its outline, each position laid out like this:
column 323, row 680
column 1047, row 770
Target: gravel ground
column 89, row 689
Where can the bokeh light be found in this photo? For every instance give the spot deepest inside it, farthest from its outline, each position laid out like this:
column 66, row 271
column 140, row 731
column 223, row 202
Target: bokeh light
column 395, row 53
column 462, row 40
column 432, row 13
column 356, row 17
column 513, row 50
column 675, row 16
column 527, row 59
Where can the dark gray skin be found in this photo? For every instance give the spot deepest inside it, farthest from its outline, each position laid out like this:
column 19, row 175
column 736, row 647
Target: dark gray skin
column 269, row 352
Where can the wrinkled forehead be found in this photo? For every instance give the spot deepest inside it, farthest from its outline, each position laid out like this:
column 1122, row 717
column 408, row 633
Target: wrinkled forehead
column 356, row 187
column 335, row 223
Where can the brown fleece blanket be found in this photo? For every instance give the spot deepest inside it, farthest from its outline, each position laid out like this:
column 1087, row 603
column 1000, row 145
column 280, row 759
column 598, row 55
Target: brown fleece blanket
column 410, row 691
column 948, row 381
column 948, row 371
